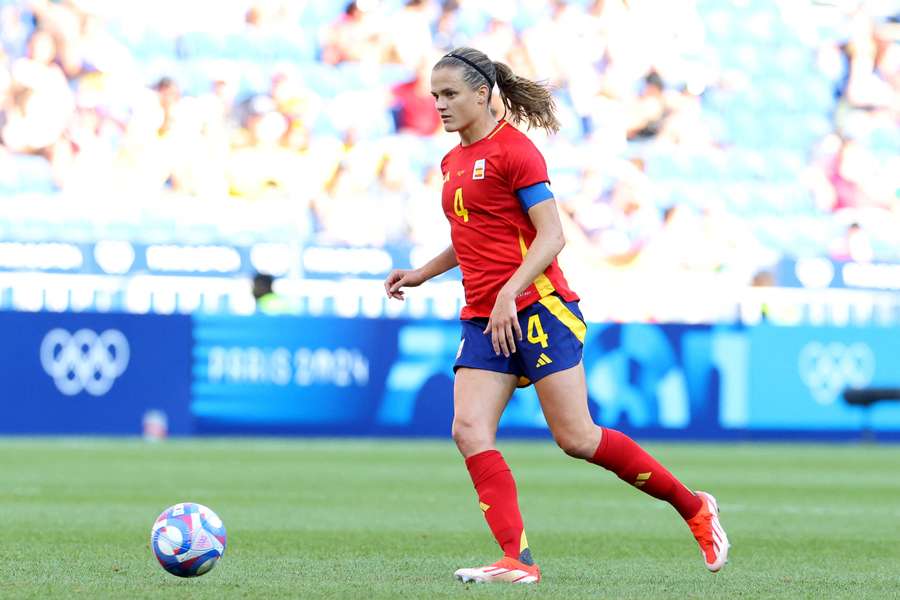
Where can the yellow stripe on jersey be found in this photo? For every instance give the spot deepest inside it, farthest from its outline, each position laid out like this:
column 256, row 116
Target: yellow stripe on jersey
column 542, row 282
column 568, row 318
column 502, row 125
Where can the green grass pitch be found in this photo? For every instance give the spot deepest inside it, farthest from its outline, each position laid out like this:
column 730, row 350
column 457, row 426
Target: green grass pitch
column 374, row 519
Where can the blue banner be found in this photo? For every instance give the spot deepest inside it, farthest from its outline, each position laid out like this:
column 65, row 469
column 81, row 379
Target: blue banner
column 103, row 373
column 378, row 376
column 290, row 374
column 93, row 373
column 820, row 272
column 797, row 376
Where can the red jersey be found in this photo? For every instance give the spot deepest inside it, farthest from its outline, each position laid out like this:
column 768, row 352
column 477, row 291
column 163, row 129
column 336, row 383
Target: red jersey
column 489, row 229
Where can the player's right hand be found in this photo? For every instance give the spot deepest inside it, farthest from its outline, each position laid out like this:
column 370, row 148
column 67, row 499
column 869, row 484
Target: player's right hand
column 400, row 278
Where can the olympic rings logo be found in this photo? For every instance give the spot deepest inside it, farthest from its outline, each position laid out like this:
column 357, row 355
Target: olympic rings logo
column 84, row 361
column 827, row 369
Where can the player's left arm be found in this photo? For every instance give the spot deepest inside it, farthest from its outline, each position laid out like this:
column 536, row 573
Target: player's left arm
column 547, row 244
column 549, row 241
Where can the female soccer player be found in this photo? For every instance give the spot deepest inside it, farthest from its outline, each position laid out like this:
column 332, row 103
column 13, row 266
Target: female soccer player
column 521, row 324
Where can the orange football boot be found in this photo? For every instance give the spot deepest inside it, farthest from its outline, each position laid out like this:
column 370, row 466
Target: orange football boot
column 505, row 570
column 709, row 533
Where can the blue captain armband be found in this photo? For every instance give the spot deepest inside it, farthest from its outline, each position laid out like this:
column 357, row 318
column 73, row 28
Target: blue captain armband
column 534, row 194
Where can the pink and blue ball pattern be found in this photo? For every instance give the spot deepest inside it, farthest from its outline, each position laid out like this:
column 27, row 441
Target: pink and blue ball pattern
column 188, row 539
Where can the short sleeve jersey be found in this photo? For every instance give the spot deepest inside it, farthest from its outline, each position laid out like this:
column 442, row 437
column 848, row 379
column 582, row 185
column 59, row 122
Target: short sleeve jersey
column 489, row 228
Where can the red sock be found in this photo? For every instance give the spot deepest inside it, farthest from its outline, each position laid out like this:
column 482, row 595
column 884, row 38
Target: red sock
column 497, row 497
column 620, row 454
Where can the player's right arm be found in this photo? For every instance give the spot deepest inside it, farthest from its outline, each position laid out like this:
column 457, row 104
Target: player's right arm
column 400, row 278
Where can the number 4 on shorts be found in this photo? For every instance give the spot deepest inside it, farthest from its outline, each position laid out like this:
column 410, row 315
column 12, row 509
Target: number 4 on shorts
column 536, row 333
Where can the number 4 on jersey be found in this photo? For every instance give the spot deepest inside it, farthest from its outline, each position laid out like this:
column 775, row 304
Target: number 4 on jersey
column 458, row 207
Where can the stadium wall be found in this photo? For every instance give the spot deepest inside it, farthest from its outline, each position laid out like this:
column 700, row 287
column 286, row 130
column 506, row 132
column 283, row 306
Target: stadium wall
column 92, row 373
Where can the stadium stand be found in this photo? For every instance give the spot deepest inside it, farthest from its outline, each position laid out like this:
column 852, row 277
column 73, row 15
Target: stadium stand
column 152, row 159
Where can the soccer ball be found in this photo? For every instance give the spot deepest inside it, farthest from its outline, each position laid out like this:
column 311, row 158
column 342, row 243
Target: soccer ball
column 188, row 539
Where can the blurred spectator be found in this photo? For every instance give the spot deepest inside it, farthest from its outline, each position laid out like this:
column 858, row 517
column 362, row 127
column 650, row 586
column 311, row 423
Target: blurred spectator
column 853, row 171
column 708, row 241
column 685, row 124
column 496, row 40
column 294, row 99
column 428, row 227
column 874, row 71
column 410, row 33
column 262, row 164
column 613, row 216
column 267, row 300
column 41, row 102
column 168, row 93
column 649, row 110
column 414, row 110
column 446, row 33
column 5, row 86
column 863, row 169
column 61, row 21
column 355, row 37
column 98, row 50
column 365, row 203
column 855, row 245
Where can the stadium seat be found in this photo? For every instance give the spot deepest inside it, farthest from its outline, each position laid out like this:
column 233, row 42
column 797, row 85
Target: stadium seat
column 783, row 165
column 291, row 48
column 79, row 230
column 322, row 79
column 27, row 174
column 711, row 167
column 662, row 167
column 257, row 46
column 145, row 44
column 783, row 95
column 884, row 141
column 792, row 60
column 744, row 129
column 315, row 14
column 121, row 230
column 202, row 44
column 30, row 229
column 719, row 23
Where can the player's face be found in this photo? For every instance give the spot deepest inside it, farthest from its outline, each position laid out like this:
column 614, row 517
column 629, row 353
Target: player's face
column 458, row 105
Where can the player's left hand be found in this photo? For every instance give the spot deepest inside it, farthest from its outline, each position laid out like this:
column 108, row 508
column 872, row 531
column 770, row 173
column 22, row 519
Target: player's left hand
column 503, row 325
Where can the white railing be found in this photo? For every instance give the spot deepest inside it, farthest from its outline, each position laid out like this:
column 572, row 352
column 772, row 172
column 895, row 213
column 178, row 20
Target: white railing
column 692, row 301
